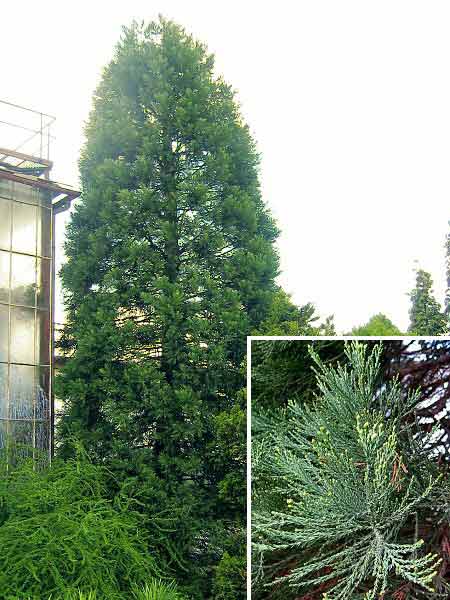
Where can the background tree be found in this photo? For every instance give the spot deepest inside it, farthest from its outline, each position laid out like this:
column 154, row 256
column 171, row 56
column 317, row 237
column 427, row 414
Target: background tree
column 171, row 263
column 426, row 316
column 378, row 325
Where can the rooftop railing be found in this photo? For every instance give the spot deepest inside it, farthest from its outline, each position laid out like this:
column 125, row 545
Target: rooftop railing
column 25, row 139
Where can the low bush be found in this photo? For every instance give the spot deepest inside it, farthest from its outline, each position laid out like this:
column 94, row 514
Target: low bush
column 155, row 590
column 61, row 536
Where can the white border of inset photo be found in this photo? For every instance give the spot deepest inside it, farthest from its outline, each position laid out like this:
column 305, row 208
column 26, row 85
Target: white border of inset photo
column 313, row 338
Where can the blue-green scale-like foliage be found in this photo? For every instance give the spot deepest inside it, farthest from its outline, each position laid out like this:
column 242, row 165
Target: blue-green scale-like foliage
column 344, row 492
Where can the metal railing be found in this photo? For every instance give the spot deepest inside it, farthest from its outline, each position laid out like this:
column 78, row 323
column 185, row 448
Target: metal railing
column 25, row 132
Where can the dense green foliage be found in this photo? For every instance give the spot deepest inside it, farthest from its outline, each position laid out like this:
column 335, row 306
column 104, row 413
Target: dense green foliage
column 155, row 590
column 282, row 370
column 158, row 590
column 60, row 533
column 285, row 318
column 229, row 576
column 378, row 325
column 344, row 492
column 171, row 264
column 426, row 316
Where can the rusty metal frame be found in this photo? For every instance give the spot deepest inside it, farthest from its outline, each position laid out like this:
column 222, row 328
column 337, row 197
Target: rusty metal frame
column 41, row 162
column 51, row 186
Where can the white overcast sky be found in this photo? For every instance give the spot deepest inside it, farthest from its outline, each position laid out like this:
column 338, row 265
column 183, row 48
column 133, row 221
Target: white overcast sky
column 349, row 102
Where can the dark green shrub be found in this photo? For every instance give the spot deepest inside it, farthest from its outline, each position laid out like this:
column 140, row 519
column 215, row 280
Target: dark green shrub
column 59, row 533
column 230, row 581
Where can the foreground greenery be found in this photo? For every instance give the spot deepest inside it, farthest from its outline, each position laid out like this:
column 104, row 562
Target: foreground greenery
column 63, row 536
column 156, row 590
column 348, row 504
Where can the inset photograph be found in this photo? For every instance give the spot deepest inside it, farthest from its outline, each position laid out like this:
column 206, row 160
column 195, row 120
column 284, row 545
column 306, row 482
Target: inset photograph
column 350, row 479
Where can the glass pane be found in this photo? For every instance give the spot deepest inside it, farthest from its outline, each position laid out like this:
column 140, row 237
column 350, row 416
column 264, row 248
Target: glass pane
column 24, row 228
column 5, row 224
column 22, row 432
column 43, row 338
column 22, row 335
column 43, row 282
column 3, row 391
column 22, row 389
column 58, row 407
column 3, row 432
column 23, row 280
column 4, row 276
column 26, row 193
column 6, row 188
column 42, row 410
column 42, row 436
column 44, row 232
column 4, row 328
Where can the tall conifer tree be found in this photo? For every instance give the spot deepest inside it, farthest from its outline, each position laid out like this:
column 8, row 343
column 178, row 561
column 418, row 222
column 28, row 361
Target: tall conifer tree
column 171, row 264
column 426, row 316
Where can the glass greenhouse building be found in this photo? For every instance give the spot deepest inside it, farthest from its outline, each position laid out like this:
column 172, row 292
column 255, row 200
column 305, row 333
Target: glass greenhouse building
column 28, row 204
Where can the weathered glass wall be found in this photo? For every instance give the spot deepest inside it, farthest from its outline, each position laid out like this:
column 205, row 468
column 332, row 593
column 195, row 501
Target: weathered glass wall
column 25, row 315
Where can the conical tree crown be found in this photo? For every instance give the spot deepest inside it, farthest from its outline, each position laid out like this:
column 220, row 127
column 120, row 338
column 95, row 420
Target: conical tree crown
column 171, row 260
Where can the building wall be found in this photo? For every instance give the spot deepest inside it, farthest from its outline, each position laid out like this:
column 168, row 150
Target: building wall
column 25, row 315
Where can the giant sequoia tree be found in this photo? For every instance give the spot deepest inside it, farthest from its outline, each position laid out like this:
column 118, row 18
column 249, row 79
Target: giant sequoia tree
column 170, row 265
